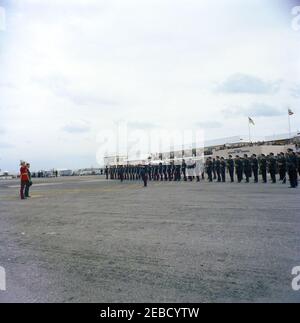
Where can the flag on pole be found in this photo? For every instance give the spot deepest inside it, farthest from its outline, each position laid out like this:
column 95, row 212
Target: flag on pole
column 251, row 121
column 290, row 112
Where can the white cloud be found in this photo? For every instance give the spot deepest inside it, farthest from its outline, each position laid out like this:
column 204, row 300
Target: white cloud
column 150, row 63
column 79, row 126
column 256, row 109
column 243, row 83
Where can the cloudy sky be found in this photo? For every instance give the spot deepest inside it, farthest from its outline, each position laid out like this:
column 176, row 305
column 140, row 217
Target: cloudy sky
column 71, row 69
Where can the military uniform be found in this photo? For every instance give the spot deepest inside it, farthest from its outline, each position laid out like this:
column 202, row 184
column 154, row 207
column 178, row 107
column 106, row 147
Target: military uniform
column 247, row 168
column 223, row 170
column 144, row 172
column 254, row 166
column 281, row 162
column 272, row 167
column 239, row 169
column 183, row 167
column 218, row 169
column 214, row 168
column 292, row 164
column 121, row 173
column 263, row 167
column 230, row 167
column 209, row 167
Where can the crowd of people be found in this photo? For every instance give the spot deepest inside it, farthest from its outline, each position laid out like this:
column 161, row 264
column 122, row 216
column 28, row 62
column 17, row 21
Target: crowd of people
column 286, row 165
column 215, row 169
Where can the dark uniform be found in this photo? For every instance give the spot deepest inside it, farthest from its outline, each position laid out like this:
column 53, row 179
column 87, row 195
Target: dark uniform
column 247, row 168
column 292, row 164
column 272, row 167
column 230, row 167
column 254, row 167
column 150, row 172
column 177, row 173
column 263, row 167
column 214, row 168
column 223, row 169
column 29, row 183
column 209, row 168
column 144, row 172
column 239, row 168
column 281, row 162
column 218, row 168
column 161, row 171
column 169, row 170
column 165, row 171
column 183, row 167
column 121, row 173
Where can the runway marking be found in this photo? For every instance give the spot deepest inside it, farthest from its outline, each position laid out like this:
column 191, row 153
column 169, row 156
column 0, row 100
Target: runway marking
column 40, row 184
column 59, row 183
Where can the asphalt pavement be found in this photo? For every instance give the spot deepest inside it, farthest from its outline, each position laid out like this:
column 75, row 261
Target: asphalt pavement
column 85, row 239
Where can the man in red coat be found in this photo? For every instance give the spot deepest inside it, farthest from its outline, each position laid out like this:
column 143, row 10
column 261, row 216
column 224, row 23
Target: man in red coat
column 24, row 179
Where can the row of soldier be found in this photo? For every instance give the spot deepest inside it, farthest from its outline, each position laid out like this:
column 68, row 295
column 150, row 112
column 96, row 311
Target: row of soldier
column 216, row 169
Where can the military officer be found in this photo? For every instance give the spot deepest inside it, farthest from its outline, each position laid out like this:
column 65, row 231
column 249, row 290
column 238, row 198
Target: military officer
column 254, row 166
column 247, row 167
column 223, row 169
column 238, row 168
column 214, row 168
column 144, row 172
column 281, row 162
column 218, row 168
column 209, row 167
column 183, row 167
column 292, row 164
column 263, row 167
column 272, row 167
column 230, row 167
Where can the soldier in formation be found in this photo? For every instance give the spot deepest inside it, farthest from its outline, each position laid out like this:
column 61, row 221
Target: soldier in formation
column 239, row 168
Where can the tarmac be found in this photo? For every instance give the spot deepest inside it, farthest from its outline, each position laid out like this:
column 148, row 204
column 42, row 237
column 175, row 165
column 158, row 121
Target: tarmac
column 85, row 239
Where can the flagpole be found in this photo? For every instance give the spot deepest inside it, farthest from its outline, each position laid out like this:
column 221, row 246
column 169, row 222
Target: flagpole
column 249, row 131
column 289, row 119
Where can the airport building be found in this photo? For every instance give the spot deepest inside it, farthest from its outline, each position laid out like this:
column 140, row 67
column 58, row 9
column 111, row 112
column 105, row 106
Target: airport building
column 230, row 146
